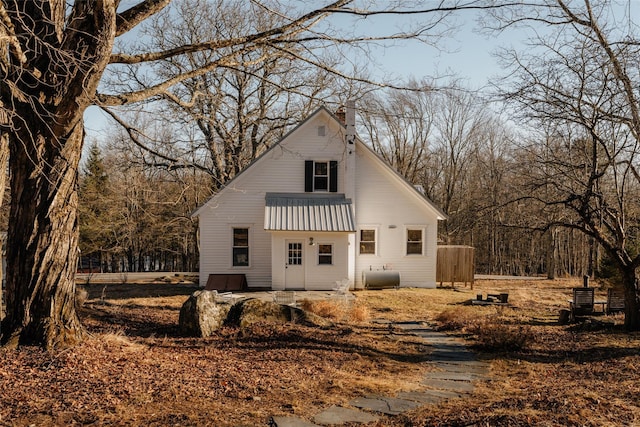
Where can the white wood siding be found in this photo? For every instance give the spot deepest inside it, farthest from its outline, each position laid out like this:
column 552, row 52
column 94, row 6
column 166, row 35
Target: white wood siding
column 317, row 277
column 242, row 203
column 387, row 205
column 382, row 201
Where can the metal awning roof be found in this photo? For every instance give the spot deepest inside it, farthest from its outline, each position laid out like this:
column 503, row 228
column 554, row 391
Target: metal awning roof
column 308, row 212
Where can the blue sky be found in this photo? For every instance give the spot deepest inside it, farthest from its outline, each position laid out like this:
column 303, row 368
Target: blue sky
column 466, row 54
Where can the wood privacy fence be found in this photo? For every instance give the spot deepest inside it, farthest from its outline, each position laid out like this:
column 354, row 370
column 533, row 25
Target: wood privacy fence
column 455, row 264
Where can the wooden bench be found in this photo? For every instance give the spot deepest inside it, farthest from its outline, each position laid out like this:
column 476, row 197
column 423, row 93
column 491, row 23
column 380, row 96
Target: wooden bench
column 501, row 297
column 226, row 282
column 615, row 300
column 582, row 303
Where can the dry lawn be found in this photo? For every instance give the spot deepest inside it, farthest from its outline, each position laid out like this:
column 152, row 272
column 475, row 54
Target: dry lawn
column 137, row 370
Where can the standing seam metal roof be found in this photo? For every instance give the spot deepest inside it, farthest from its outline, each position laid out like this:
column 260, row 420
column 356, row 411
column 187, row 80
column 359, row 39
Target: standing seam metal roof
column 308, row 212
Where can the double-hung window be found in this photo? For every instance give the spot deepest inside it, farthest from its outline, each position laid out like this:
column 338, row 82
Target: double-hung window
column 367, row 242
column 325, row 254
column 414, row 241
column 321, row 176
column 240, row 247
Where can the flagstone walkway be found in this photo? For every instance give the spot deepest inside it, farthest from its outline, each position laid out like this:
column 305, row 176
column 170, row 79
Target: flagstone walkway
column 456, row 370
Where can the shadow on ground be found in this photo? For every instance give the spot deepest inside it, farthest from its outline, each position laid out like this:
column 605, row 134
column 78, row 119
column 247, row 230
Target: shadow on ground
column 137, row 290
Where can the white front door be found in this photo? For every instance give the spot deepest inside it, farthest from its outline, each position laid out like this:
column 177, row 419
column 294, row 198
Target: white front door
column 294, row 267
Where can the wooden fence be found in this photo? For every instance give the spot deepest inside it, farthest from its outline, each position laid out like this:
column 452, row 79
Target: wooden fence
column 455, row 264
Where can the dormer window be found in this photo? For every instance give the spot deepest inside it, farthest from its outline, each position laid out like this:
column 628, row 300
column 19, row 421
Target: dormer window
column 321, row 176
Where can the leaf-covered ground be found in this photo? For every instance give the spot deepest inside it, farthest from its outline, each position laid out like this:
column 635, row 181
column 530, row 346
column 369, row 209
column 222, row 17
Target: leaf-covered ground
column 136, row 370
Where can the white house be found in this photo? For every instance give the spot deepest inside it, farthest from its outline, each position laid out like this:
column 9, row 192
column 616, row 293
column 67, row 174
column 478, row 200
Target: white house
column 317, row 207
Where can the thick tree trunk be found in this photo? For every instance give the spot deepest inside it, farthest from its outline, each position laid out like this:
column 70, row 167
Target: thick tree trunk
column 631, row 300
column 43, row 231
column 4, row 159
column 66, row 47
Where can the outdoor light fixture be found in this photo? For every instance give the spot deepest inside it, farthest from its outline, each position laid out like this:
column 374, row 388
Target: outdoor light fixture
column 310, row 241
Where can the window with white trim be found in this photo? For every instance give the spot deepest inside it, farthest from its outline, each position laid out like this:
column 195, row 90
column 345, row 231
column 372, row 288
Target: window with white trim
column 414, row 241
column 321, row 176
column 325, row 254
column 240, row 247
column 367, row 242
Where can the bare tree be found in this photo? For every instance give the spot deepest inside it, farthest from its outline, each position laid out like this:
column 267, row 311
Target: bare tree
column 581, row 80
column 4, row 161
column 461, row 127
column 220, row 121
column 398, row 125
column 56, row 54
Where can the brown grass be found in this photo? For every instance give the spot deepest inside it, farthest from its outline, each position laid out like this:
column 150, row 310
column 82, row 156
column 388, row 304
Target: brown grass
column 137, row 370
column 337, row 310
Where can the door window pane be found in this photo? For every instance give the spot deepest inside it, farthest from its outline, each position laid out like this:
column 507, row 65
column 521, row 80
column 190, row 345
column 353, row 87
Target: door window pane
column 295, row 254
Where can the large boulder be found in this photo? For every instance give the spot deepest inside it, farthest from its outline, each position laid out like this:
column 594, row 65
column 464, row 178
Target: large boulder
column 250, row 311
column 200, row 315
column 247, row 312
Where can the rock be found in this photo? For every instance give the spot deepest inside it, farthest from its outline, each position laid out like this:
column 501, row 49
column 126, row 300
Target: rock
column 200, row 315
column 250, row 311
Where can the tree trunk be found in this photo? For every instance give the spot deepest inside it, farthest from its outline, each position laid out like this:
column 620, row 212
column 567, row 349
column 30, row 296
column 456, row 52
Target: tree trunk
column 631, row 300
column 43, row 231
column 552, row 253
column 4, row 158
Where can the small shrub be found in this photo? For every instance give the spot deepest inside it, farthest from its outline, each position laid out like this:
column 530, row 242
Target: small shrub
column 492, row 334
column 456, row 319
column 491, row 330
column 359, row 313
column 324, row 308
column 336, row 310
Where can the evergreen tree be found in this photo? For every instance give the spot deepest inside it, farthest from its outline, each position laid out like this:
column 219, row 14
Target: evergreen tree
column 95, row 211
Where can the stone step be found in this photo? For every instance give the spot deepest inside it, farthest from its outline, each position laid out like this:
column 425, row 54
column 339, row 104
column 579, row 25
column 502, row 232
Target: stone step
column 450, row 385
column 429, row 396
column 453, row 376
column 290, row 422
column 456, row 368
column 384, row 405
column 337, row 415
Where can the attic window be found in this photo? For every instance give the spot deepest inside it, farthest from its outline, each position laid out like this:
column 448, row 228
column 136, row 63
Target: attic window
column 321, row 131
column 321, row 176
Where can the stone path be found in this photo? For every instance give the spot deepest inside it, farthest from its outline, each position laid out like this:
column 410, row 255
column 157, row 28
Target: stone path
column 456, row 370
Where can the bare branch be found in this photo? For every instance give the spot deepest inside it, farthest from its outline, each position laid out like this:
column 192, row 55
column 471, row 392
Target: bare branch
column 128, row 19
column 219, row 44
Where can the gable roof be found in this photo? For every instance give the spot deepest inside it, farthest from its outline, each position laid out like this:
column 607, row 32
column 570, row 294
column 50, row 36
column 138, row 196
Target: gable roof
column 263, row 155
column 441, row 215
